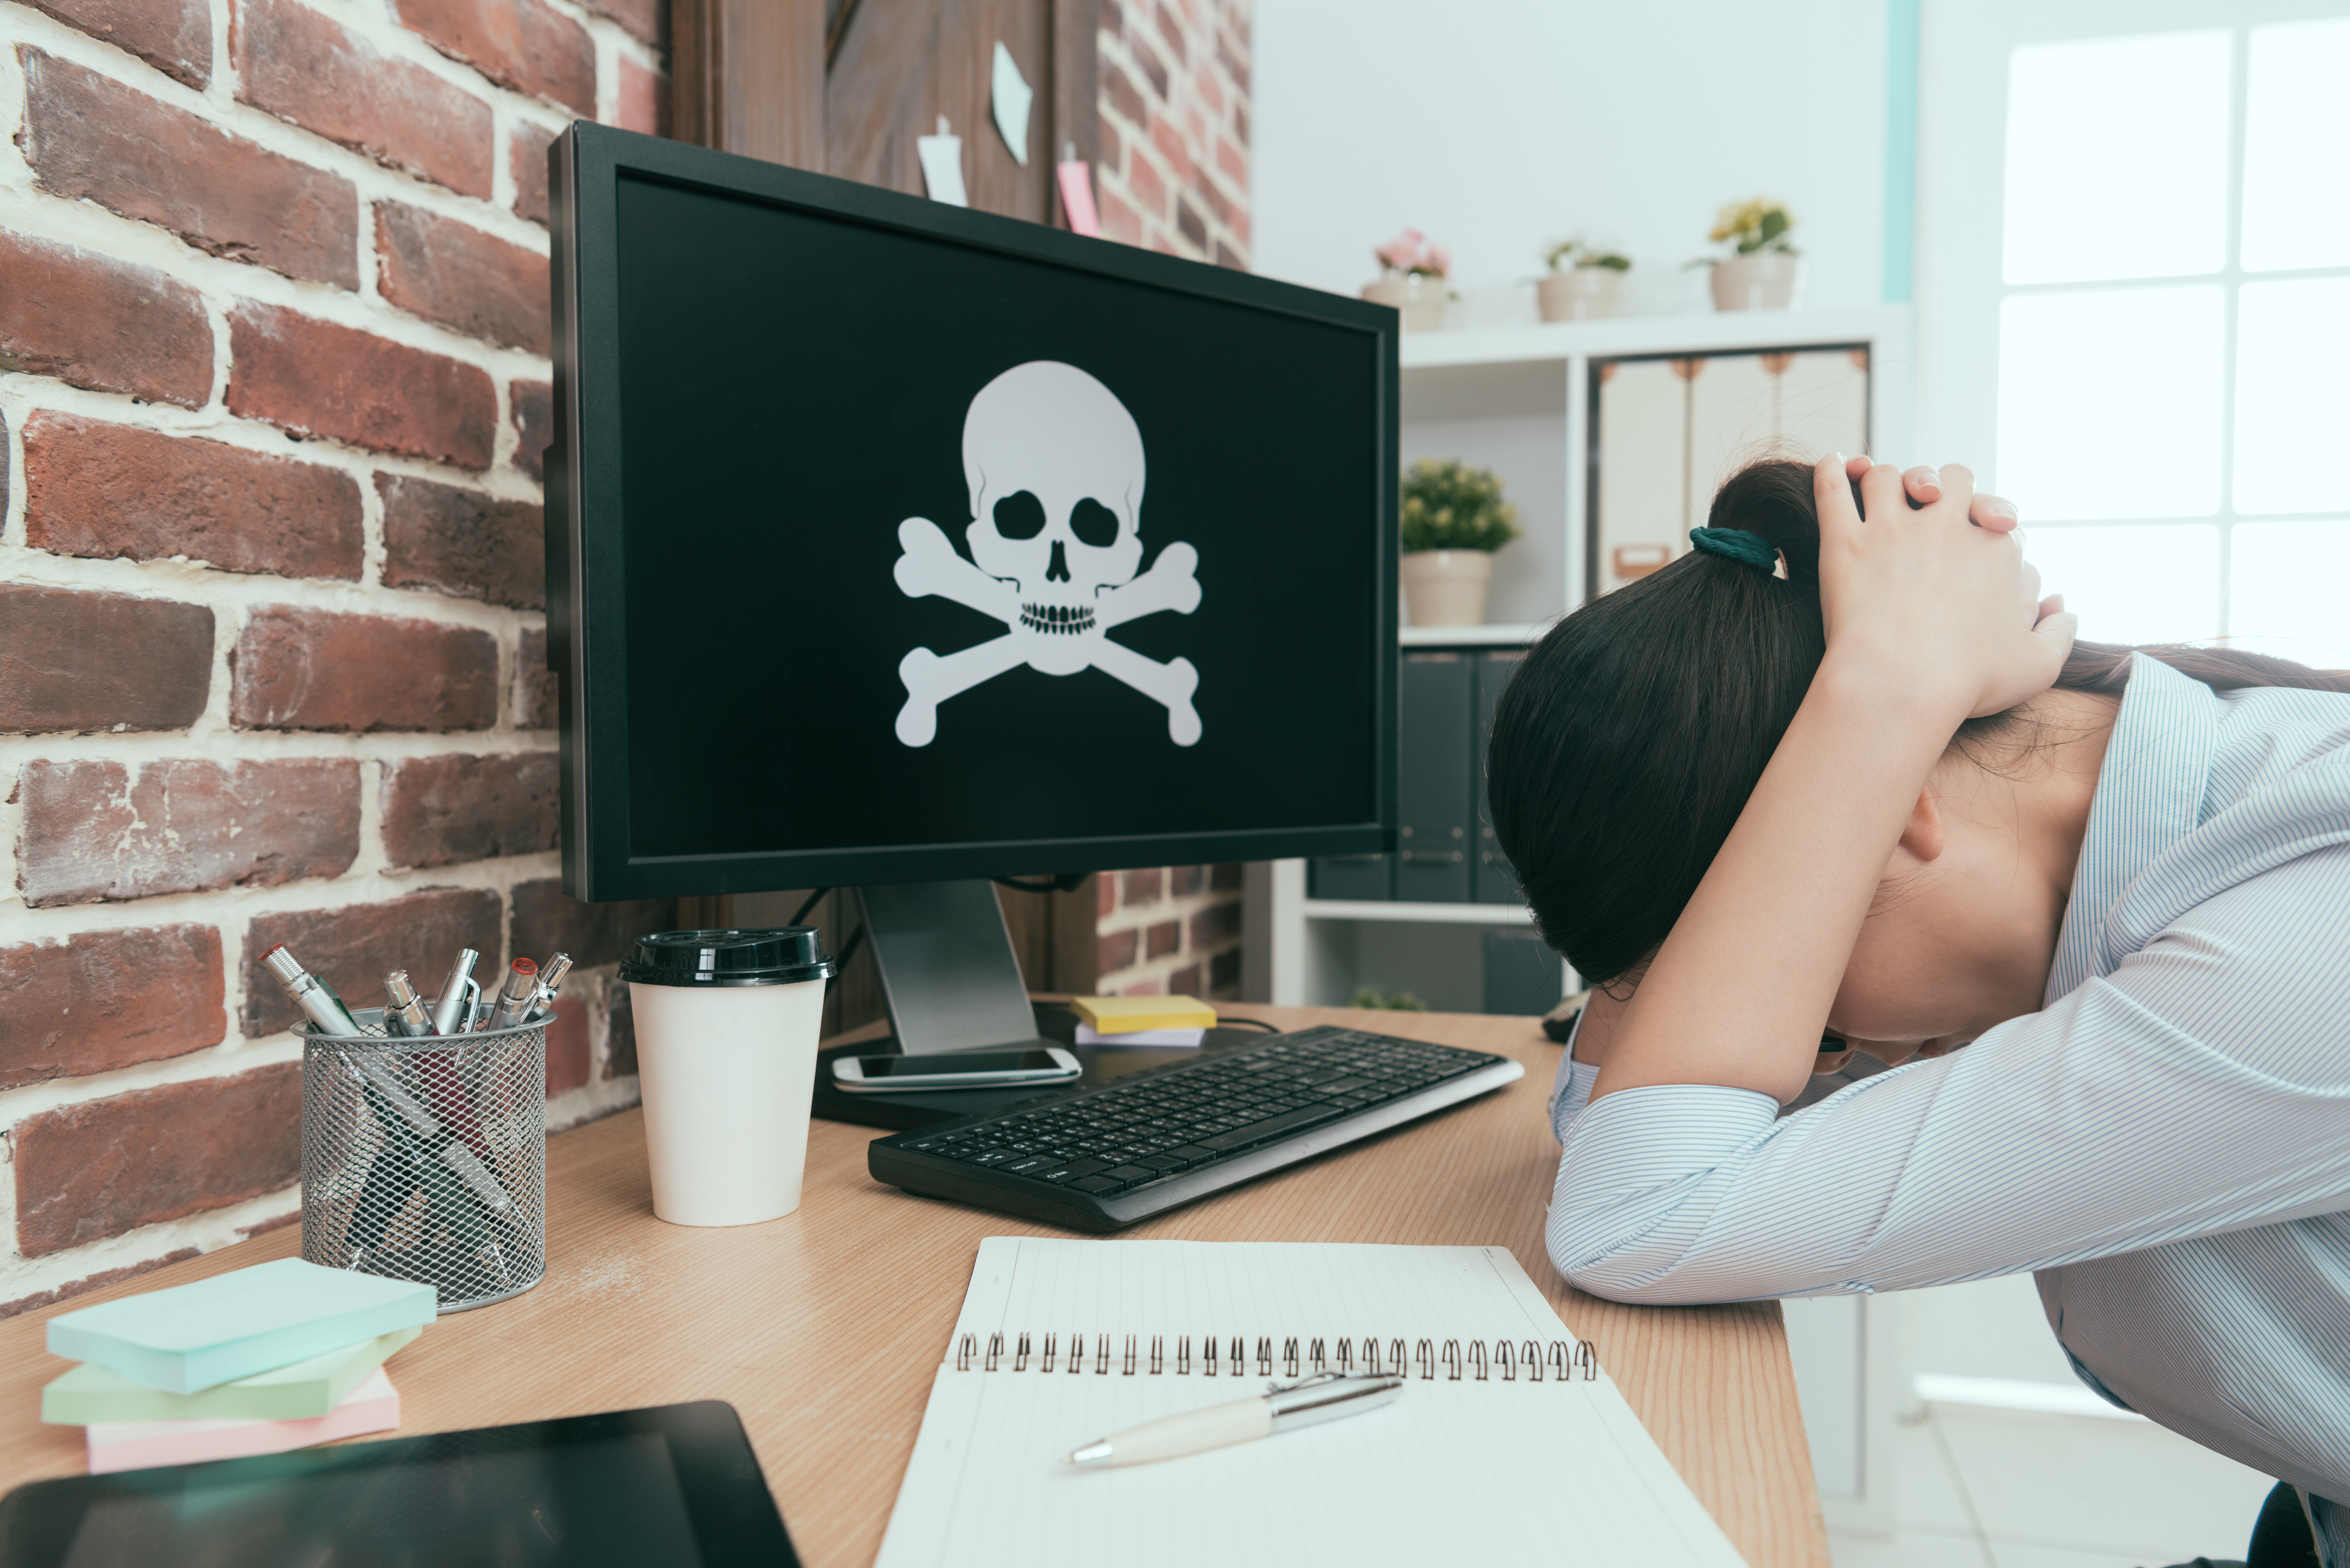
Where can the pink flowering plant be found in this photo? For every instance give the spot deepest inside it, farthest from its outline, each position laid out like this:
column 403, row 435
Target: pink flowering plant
column 1409, row 255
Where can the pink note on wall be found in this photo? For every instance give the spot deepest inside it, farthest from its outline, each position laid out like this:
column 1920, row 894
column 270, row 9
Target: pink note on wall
column 1077, row 197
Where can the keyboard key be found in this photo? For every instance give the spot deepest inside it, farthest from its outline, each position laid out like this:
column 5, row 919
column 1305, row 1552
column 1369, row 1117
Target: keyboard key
column 1272, row 1127
column 1095, row 1184
column 1160, row 1164
column 1191, row 1153
column 988, row 1156
column 1340, row 1086
column 1129, row 1173
column 1029, row 1166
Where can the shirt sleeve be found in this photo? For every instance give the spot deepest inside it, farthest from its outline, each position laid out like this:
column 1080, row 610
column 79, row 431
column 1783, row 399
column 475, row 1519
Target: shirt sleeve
column 2202, row 1087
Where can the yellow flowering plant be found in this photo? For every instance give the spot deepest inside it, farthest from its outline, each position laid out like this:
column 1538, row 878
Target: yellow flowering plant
column 1758, row 226
column 1449, row 505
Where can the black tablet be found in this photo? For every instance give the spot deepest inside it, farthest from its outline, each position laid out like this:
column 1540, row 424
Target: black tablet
column 675, row 1485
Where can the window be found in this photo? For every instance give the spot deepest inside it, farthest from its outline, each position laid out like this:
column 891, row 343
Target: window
column 2174, row 332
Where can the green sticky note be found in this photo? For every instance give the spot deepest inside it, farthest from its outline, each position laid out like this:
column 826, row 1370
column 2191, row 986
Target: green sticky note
column 233, row 1325
column 296, row 1392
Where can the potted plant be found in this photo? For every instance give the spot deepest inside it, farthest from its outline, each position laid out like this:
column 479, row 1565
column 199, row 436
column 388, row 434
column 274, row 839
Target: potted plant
column 1411, row 279
column 1763, row 270
column 1453, row 520
column 1585, row 282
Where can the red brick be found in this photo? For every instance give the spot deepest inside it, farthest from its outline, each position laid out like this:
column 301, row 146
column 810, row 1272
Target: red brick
column 1146, row 887
column 546, row 922
column 1169, row 143
column 97, row 1282
column 1154, row 69
column 77, row 663
column 647, row 19
column 303, row 65
column 92, row 321
column 105, row 1166
column 1207, row 89
column 1235, row 65
column 1224, row 973
column 1185, row 981
column 314, row 377
column 534, row 692
column 1216, row 923
column 640, row 101
column 1146, row 988
column 1105, row 895
column 527, row 158
column 1171, row 29
column 1228, row 878
column 175, row 36
column 102, row 491
column 1124, row 99
column 299, row 669
column 568, row 1051
column 1150, row 191
column 1226, row 254
column 1232, row 161
column 534, row 422
column 1111, row 20
column 1119, row 222
column 89, row 137
column 1111, row 150
column 1241, row 123
column 1188, row 221
column 519, row 43
column 1118, row 949
column 98, row 832
column 352, row 947
column 454, row 273
column 1162, row 940
column 462, row 543
column 1182, row 881
column 438, row 811
column 104, row 999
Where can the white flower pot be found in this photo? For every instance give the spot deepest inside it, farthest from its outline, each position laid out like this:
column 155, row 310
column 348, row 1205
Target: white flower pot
column 1421, row 300
column 1766, row 280
column 1581, row 294
column 1447, row 587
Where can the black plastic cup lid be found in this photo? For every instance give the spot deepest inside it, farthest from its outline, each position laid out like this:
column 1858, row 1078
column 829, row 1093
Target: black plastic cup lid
column 777, row 957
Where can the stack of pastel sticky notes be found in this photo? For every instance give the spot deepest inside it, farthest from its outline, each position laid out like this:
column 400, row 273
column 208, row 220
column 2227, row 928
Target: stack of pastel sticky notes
column 255, row 1361
column 1142, row 1020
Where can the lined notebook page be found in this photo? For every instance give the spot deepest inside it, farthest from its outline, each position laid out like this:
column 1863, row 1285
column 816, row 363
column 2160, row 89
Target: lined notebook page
column 1453, row 1471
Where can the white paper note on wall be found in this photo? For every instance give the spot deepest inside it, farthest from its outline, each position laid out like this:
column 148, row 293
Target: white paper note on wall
column 1011, row 96
column 941, row 157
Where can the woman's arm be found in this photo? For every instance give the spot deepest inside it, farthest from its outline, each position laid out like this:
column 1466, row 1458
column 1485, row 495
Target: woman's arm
column 2203, row 1087
column 1929, row 623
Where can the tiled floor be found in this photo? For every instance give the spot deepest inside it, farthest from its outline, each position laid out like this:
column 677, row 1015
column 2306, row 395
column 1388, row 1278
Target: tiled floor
column 1990, row 1488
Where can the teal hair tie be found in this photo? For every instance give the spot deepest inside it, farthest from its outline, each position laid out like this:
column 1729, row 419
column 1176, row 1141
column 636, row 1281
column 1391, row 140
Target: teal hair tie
column 1737, row 544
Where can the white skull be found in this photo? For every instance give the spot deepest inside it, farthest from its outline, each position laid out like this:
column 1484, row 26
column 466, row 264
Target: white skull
column 1054, row 466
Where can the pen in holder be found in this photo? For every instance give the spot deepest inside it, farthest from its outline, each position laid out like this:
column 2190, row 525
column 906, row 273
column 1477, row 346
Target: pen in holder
column 424, row 1158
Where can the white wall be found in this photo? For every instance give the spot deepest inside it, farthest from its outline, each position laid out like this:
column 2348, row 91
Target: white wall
column 1498, row 125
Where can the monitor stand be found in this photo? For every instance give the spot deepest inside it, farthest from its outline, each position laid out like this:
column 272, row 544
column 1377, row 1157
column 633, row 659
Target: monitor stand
column 946, row 968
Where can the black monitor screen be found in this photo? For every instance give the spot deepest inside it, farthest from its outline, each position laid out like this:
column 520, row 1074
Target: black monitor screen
column 928, row 544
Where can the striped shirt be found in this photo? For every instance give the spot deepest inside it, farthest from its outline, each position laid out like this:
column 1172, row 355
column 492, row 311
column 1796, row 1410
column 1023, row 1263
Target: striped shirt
column 2166, row 1144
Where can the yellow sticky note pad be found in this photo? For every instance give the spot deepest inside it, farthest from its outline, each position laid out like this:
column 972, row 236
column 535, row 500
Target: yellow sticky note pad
column 1126, row 1014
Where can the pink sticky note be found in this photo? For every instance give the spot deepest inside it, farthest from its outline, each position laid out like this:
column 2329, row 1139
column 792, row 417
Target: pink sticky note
column 372, row 1407
column 1078, row 198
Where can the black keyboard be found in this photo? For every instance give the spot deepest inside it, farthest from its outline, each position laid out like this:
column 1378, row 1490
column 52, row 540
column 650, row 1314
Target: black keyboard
column 1103, row 1158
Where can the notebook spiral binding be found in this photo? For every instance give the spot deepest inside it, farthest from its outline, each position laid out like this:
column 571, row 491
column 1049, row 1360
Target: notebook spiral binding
column 1502, row 1362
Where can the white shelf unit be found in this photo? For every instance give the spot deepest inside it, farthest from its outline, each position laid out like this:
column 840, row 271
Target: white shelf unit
column 1518, row 399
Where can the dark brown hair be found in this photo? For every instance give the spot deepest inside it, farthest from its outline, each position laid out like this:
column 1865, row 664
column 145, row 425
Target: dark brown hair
column 1625, row 748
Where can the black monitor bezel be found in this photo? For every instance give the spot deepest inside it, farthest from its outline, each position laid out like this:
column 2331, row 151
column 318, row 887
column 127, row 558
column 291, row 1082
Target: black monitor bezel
column 585, row 606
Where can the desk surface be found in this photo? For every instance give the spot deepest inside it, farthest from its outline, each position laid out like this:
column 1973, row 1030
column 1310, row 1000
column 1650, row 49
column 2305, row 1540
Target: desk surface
column 823, row 1327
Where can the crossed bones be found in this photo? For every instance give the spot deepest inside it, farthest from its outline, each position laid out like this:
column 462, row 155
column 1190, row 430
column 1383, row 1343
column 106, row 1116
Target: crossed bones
column 931, row 564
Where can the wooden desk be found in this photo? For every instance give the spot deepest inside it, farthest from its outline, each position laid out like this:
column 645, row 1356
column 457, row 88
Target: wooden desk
column 823, row 1327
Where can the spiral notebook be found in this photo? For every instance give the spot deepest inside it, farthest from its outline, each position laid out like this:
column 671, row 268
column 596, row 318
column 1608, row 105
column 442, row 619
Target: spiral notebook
column 1509, row 1443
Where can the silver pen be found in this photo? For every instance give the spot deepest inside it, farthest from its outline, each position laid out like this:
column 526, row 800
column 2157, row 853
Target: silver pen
column 550, row 979
column 310, row 994
column 403, row 1010
column 1325, row 1397
column 515, row 1001
column 449, row 1007
column 439, row 1142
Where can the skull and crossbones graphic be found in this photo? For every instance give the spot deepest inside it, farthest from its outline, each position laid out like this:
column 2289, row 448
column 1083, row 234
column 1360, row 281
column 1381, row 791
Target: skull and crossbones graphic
column 1054, row 463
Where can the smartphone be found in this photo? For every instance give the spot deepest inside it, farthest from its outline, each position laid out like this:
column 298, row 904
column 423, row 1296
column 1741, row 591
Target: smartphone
column 957, row 1070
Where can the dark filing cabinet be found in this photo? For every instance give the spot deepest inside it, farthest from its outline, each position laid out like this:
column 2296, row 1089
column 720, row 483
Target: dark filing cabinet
column 1491, row 882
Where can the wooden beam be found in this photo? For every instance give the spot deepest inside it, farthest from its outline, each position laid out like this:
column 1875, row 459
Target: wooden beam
column 747, row 76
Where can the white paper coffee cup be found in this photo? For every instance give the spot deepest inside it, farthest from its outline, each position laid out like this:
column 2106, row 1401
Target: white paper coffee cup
column 726, row 1025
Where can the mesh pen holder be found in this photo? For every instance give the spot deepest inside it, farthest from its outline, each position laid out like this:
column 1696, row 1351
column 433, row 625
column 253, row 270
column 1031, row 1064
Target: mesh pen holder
column 425, row 1159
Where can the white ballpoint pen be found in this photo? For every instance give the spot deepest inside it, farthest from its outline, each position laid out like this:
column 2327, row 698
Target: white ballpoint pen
column 1325, row 1397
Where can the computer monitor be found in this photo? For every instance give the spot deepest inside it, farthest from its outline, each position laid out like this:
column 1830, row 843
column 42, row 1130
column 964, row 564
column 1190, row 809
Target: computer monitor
column 894, row 544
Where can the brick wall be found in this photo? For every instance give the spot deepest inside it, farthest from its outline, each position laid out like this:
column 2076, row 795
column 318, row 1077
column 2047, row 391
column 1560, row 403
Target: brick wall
column 1170, row 930
column 273, row 388
column 1175, row 126
column 274, row 291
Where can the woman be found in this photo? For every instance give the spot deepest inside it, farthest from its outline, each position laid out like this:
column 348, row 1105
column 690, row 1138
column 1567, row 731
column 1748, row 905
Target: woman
column 1836, row 781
